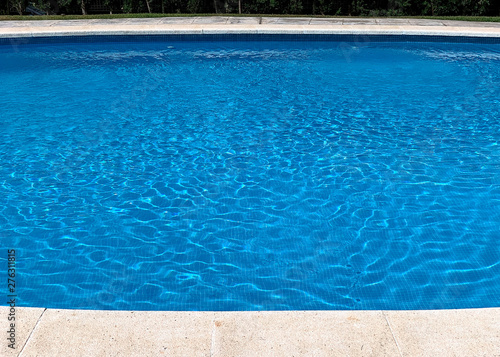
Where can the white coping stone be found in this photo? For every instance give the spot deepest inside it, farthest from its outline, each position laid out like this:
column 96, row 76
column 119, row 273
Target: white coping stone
column 85, row 31
column 51, row 332
column 247, row 25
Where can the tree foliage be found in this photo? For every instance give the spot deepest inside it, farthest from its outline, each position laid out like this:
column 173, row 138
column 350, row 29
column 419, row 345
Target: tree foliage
column 17, row 6
column 298, row 7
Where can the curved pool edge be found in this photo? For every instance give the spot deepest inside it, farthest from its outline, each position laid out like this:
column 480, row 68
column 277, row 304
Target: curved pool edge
column 248, row 25
column 52, row 332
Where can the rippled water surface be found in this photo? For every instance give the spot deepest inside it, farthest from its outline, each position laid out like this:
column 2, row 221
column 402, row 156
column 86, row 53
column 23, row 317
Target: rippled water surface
column 247, row 175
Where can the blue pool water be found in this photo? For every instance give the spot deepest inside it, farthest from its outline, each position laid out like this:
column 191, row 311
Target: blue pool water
column 251, row 175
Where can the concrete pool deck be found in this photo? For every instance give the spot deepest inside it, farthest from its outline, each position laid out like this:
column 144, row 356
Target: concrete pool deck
column 49, row 332
column 247, row 25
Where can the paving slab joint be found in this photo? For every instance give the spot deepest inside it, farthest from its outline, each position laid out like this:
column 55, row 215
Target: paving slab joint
column 392, row 333
column 31, row 333
column 212, row 339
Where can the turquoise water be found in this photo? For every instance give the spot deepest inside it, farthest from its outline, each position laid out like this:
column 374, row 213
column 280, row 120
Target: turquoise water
column 251, row 175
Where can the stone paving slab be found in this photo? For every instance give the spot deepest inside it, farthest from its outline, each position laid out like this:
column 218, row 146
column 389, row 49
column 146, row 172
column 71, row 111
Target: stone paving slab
column 472, row 332
column 25, row 321
column 359, row 22
column 97, row 30
column 244, row 20
column 285, row 20
column 248, row 25
column 68, row 333
column 427, row 23
column 320, row 21
column 211, row 20
column 51, row 333
column 392, row 21
column 471, row 24
column 300, row 333
column 177, row 20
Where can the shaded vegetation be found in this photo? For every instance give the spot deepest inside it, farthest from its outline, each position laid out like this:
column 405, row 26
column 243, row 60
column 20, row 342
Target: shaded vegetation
column 277, row 7
column 153, row 15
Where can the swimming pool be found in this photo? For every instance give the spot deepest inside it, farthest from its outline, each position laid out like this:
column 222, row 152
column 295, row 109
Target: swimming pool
column 252, row 173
